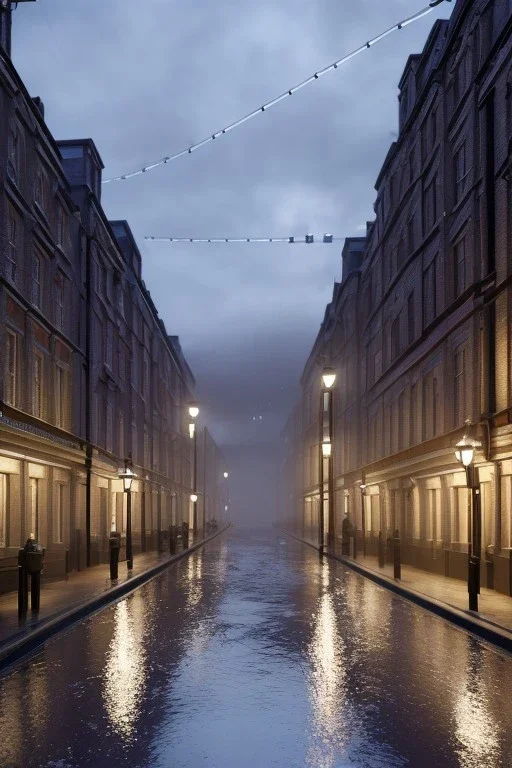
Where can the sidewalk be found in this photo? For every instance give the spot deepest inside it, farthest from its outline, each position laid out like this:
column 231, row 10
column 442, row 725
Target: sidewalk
column 493, row 606
column 447, row 597
column 65, row 601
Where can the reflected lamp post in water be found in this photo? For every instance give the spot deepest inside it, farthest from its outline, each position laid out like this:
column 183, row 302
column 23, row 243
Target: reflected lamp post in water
column 127, row 476
column 465, row 454
column 326, row 438
column 193, row 412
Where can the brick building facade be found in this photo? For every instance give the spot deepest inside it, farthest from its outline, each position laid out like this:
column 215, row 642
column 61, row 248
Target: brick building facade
column 419, row 329
column 88, row 374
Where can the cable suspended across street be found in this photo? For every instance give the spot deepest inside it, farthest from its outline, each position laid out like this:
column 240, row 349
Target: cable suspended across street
column 364, row 47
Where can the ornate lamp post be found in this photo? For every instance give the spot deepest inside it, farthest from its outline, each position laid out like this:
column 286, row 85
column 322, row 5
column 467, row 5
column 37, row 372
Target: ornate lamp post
column 193, row 412
column 465, row 454
column 363, row 515
column 326, row 435
column 127, row 476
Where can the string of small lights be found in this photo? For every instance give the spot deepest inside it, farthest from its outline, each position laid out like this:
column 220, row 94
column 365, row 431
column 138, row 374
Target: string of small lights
column 307, row 239
column 364, row 47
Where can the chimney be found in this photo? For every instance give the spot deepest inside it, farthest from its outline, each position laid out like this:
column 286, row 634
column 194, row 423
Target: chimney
column 5, row 26
column 39, row 105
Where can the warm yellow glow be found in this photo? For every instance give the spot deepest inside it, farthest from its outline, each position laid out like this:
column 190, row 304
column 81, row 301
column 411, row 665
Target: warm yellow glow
column 326, row 682
column 125, row 675
column 191, row 429
column 193, row 497
column 127, row 476
column 193, row 411
column 328, row 377
column 326, row 449
column 475, row 728
column 465, row 450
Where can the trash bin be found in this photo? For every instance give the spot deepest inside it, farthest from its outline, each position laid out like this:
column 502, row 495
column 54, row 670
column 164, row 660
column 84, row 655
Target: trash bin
column 114, row 544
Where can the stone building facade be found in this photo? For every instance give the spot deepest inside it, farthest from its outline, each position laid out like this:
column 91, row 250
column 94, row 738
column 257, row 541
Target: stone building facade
column 419, row 329
column 89, row 376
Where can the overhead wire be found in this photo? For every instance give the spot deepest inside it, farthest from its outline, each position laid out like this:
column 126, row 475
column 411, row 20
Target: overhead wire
column 308, row 239
column 289, row 92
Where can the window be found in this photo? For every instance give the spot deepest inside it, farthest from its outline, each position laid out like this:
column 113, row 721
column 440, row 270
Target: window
column 58, row 513
column 61, row 225
column 459, row 263
column 433, row 127
column 11, row 365
column 395, row 338
column 34, row 507
column 61, row 397
column 401, row 253
column 109, row 427
column 401, row 421
column 430, row 205
column 410, row 235
column 39, row 191
column 410, row 318
column 461, row 171
column 459, row 389
column 36, row 281
column 429, row 293
column 412, row 415
column 109, row 344
column 13, row 153
column 59, row 300
column 12, row 252
column 3, row 511
column 38, row 385
column 431, row 405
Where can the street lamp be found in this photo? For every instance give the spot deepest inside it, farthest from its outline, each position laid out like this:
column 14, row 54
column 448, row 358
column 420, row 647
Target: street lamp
column 465, row 454
column 363, row 515
column 127, row 476
column 326, row 436
column 193, row 412
column 193, row 497
column 226, row 474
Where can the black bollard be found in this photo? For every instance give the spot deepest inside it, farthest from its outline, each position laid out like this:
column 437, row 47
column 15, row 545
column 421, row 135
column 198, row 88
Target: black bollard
column 22, row 585
column 172, row 539
column 397, row 565
column 114, row 544
column 35, row 591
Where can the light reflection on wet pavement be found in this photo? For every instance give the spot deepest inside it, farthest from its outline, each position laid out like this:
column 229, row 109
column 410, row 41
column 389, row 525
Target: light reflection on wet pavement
column 252, row 653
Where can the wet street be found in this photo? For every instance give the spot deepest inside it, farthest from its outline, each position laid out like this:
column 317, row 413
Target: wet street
column 252, row 653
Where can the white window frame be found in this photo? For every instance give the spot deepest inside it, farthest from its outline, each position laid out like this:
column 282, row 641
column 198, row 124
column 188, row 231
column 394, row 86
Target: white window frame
column 38, row 384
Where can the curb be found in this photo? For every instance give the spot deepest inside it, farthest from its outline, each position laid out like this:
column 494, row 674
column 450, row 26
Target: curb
column 492, row 633
column 12, row 653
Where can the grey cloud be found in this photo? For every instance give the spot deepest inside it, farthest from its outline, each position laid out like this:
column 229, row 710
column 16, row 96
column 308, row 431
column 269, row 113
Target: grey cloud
column 147, row 79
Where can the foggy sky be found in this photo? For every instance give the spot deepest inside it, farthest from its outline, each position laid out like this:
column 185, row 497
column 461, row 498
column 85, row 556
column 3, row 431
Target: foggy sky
column 147, row 78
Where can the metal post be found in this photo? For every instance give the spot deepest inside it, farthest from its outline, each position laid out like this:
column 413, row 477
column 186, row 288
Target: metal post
column 397, row 566
column 194, row 483
column 22, row 590
column 475, row 544
column 363, row 520
column 129, row 553
column 330, row 481
column 204, row 482
column 321, row 479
